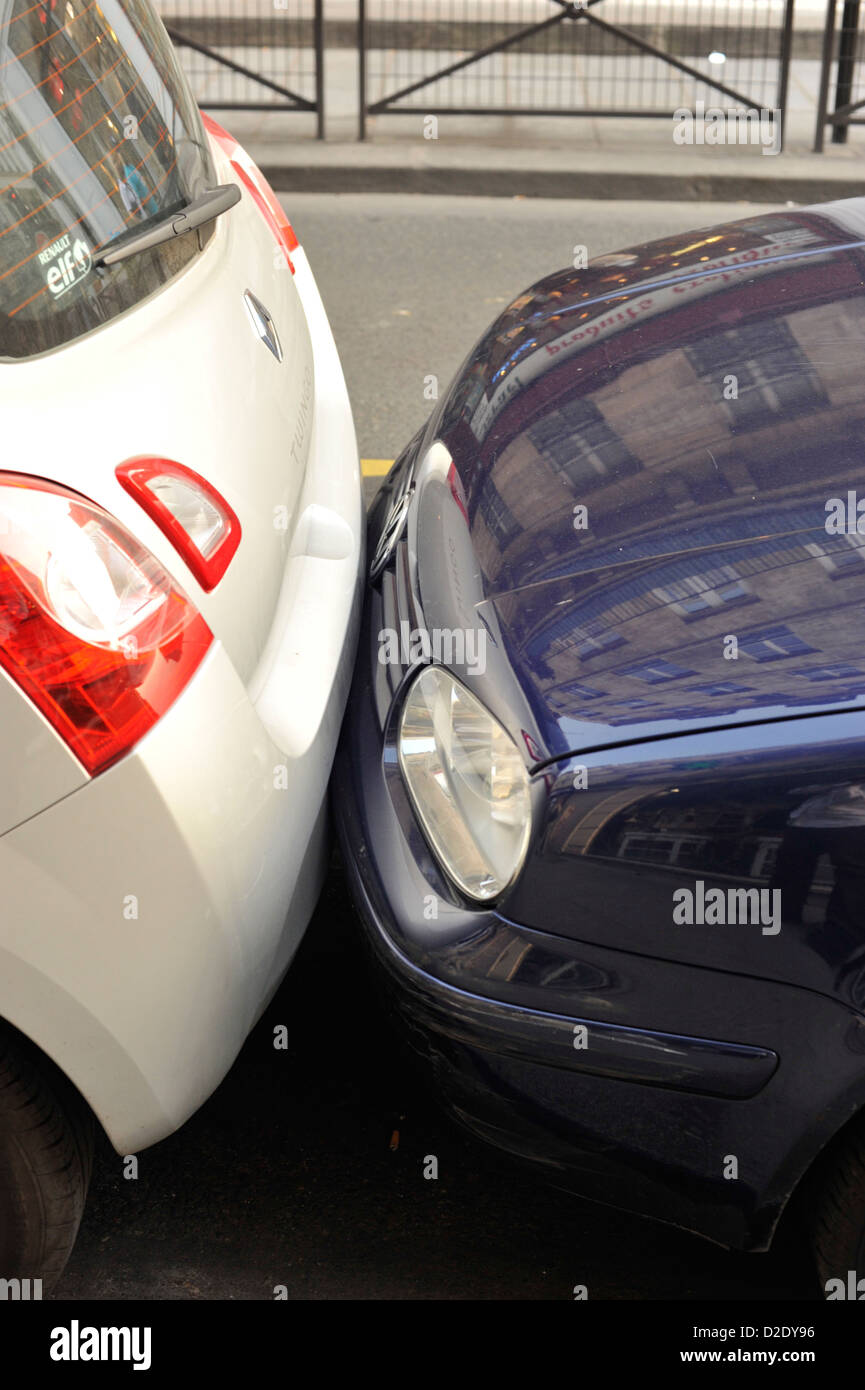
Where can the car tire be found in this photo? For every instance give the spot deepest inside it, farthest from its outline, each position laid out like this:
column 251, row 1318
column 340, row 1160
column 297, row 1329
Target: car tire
column 46, row 1156
column 838, row 1224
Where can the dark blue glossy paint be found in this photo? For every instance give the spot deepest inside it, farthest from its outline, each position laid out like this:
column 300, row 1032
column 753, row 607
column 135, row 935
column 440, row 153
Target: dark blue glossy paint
column 687, row 492
column 660, row 762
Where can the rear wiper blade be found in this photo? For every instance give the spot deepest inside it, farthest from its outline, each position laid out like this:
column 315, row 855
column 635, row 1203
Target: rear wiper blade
column 196, row 214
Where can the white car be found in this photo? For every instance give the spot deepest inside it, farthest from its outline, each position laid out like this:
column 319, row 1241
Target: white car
column 181, row 542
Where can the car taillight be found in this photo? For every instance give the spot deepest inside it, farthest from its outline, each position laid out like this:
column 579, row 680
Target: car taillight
column 92, row 629
column 193, row 515
column 457, row 491
column 256, row 184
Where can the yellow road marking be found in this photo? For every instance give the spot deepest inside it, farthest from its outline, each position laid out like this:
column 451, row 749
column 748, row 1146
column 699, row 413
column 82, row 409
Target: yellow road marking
column 375, row 468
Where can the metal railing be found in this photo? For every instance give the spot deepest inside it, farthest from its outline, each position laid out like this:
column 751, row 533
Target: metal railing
column 842, row 69
column 571, row 57
column 636, row 58
column 254, row 55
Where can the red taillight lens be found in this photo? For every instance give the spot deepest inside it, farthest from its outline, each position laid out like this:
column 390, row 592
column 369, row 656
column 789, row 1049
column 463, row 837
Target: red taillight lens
column 91, row 627
column 457, row 493
column 256, row 184
column 252, row 179
column 193, row 515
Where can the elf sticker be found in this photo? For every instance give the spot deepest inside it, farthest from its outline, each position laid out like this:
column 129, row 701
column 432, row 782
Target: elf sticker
column 65, row 263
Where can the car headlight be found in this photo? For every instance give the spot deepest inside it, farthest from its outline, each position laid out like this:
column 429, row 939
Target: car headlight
column 468, row 784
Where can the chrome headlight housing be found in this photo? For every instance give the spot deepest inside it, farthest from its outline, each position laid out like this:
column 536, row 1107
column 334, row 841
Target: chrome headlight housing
column 467, row 782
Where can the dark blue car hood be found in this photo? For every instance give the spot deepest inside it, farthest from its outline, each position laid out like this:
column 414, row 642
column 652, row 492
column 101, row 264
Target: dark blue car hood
column 656, row 466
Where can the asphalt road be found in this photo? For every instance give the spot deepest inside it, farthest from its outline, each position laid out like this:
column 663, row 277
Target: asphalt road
column 411, row 283
column 305, row 1169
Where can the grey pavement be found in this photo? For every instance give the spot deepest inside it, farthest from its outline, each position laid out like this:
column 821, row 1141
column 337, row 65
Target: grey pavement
column 411, row 283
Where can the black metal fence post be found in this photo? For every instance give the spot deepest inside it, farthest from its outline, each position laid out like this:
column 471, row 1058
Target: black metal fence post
column 825, row 72
column 319, row 68
column 361, row 74
column 784, row 73
column 846, row 64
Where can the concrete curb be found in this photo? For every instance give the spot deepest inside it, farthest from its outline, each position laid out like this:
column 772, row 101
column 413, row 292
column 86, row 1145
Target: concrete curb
column 564, row 183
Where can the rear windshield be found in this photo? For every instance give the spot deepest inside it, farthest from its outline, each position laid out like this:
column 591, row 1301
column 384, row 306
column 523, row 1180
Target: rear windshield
column 99, row 137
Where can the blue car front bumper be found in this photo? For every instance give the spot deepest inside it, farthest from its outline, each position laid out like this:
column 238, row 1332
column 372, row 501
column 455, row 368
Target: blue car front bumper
column 695, row 1096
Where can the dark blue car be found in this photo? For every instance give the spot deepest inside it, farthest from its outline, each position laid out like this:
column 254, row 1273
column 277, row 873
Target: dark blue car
column 601, row 789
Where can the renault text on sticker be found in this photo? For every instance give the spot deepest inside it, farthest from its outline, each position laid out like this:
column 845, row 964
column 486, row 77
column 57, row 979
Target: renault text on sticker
column 65, row 263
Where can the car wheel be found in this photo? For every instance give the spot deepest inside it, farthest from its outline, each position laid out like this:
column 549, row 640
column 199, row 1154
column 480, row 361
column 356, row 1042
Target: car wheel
column 838, row 1227
column 46, row 1154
